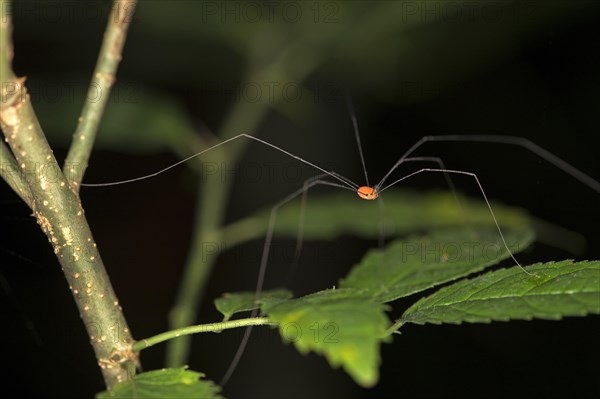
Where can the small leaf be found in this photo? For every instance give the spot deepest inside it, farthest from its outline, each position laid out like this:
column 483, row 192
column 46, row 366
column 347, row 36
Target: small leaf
column 405, row 212
column 342, row 325
column 554, row 290
column 230, row 303
column 417, row 263
column 175, row 383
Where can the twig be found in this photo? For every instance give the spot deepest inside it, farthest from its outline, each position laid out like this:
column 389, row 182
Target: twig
column 10, row 172
column 59, row 213
column 210, row 211
column 9, row 169
column 394, row 328
column 211, row 202
column 77, row 159
column 201, row 328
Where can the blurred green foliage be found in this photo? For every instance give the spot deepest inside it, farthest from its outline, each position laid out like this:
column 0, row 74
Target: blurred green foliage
column 216, row 53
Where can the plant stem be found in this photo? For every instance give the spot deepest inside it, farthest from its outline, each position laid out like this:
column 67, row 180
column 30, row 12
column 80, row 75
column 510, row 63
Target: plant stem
column 394, row 327
column 77, row 159
column 204, row 251
column 8, row 164
column 10, row 172
column 201, row 328
column 207, row 242
column 210, row 208
column 58, row 211
column 6, row 49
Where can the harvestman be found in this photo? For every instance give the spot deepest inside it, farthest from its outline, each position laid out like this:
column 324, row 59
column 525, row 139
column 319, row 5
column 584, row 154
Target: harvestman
column 368, row 192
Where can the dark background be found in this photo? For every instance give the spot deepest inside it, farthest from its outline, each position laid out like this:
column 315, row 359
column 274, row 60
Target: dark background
column 524, row 69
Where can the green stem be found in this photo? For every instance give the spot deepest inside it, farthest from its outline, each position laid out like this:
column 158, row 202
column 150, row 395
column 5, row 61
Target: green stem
column 210, row 207
column 201, row 328
column 60, row 215
column 204, row 251
column 6, row 50
column 11, row 173
column 208, row 241
column 99, row 90
column 9, row 169
column 393, row 328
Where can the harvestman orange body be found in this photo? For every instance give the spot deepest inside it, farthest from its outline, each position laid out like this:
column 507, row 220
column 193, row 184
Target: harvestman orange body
column 368, row 192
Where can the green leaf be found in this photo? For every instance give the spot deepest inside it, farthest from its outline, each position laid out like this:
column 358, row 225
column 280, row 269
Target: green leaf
column 342, row 325
column 416, row 263
column 406, row 211
column 230, row 303
column 164, row 384
column 554, row 290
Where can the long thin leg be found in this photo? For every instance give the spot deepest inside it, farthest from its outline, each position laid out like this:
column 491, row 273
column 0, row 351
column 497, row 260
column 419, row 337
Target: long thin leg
column 349, row 182
column 473, row 175
column 263, row 268
column 300, row 235
column 449, row 181
column 518, row 141
column 381, row 204
column 299, row 238
column 344, row 180
column 441, row 164
column 357, row 136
